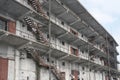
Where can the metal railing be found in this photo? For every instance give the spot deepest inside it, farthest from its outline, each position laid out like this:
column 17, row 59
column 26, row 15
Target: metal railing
column 55, row 45
column 25, row 34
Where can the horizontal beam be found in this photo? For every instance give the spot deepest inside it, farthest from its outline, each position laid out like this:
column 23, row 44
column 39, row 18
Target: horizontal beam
column 24, row 45
column 63, row 57
column 27, row 13
column 63, row 13
column 62, row 35
column 74, row 41
column 75, row 22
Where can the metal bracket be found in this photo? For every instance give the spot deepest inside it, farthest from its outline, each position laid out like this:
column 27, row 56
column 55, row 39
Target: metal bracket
column 63, row 57
column 27, row 13
column 63, row 13
column 62, row 35
column 75, row 22
column 74, row 41
column 24, row 45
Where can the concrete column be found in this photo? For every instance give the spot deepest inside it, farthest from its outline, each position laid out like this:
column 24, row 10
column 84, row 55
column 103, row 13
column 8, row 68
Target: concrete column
column 102, row 76
column 94, row 76
column 17, row 64
column 38, row 72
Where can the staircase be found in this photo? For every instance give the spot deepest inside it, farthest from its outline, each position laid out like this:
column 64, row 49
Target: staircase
column 36, row 30
column 37, row 57
column 57, row 73
column 37, row 6
column 41, row 62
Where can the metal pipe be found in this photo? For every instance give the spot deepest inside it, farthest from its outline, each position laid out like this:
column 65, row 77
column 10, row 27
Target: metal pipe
column 49, row 39
column 108, row 56
column 89, row 78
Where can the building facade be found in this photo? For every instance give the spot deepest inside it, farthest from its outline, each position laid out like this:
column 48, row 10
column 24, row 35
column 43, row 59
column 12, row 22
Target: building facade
column 54, row 40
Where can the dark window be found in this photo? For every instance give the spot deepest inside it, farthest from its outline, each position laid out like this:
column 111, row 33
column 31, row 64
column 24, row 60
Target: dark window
column 29, row 28
column 90, row 70
column 62, row 23
column 29, row 55
column 47, row 35
column 52, row 61
column 74, row 51
column 27, row 78
column 63, row 43
column 62, row 3
column 83, row 68
column 73, row 31
column 23, row 25
column 3, row 24
column 63, row 63
column 48, row 13
column 82, row 35
column 48, row 60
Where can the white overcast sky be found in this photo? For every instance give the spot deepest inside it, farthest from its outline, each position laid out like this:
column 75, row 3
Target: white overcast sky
column 107, row 13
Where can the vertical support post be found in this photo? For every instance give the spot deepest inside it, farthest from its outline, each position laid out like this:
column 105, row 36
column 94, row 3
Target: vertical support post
column 108, row 54
column 89, row 78
column 102, row 76
column 38, row 72
column 94, row 76
column 50, row 39
column 17, row 63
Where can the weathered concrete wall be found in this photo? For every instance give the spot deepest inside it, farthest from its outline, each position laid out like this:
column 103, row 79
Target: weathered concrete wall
column 27, row 69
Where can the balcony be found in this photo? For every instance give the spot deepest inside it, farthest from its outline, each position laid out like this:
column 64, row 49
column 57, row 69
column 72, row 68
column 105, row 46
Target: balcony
column 63, row 31
column 20, row 42
column 60, row 11
column 79, row 25
column 12, row 39
column 13, row 8
column 72, row 19
column 63, row 52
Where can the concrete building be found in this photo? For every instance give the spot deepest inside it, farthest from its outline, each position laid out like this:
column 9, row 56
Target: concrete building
column 54, row 40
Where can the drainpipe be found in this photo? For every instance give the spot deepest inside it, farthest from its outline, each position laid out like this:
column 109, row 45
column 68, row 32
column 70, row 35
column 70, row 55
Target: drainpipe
column 17, row 64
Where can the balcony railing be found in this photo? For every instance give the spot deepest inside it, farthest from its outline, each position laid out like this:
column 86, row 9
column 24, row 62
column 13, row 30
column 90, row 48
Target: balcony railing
column 55, row 45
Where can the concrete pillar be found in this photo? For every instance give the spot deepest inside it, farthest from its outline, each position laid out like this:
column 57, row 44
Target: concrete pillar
column 17, row 62
column 102, row 76
column 38, row 72
column 94, row 76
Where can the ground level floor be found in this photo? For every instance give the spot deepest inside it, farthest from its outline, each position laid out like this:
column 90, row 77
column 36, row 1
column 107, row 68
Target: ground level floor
column 17, row 65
